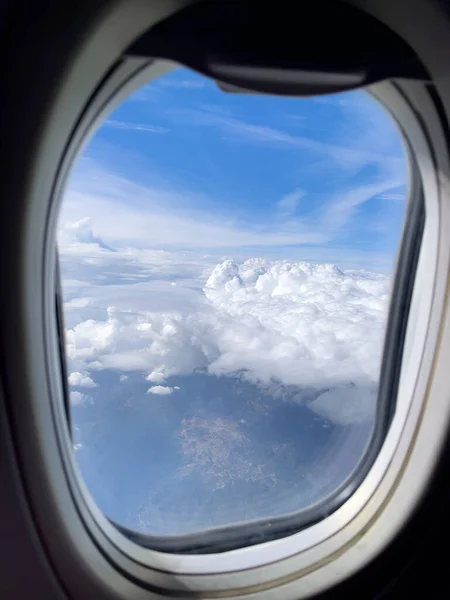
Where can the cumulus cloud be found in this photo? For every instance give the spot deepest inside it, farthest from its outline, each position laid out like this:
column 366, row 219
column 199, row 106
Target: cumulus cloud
column 346, row 405
column 274, row 323
column 156, row 376
column 77, row 398
column 77, row 379
column 80, row 233
column 161, row 390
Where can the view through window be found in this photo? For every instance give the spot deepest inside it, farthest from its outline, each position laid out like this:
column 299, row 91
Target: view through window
column 226, row 266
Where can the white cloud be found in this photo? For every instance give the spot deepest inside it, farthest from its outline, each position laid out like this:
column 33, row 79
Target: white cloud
column 123, row 377
column 346, row 405
column 77, row 398
column 158, row 218
column 80, row 232
column 167, row 215
column 135, row 126
column 190, row 84
column 287, row 205
column 392, row 196
column 202, row 230
column 156, row 377
column 155, row 222
column 161, row 390
column 341, row 207
column 237, row 129
column 79, row 380
column 366, row 137
column 275, row 323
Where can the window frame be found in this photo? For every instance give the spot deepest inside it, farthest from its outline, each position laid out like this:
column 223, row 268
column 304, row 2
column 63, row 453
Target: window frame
column 129, row 77
column 109, row 561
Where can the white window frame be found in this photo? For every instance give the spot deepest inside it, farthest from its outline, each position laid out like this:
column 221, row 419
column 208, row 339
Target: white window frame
column 322, row 536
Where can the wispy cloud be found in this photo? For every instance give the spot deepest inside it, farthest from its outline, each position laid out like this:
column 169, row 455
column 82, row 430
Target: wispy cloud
column 341, row 207
column 297, row 120
column 341, row 169
column 130, row 214
column 238, row 128
column 352, row 153
column 287, row 205
column 136, row 126
column 392, row 196
column 189, row 84
column 158, row 217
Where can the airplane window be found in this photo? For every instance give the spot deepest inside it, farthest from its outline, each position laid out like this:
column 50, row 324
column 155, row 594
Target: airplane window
column 226, row 265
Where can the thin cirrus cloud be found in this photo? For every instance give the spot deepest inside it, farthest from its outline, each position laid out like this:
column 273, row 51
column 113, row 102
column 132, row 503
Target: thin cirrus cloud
column 365, row 140
column 135, row 126
column 167, row 218
column 189, row 84
column 162, row 218
column 174, row 214
column 352, row 153
column 392, row 196
column 341, row 207
column 165, row 214
column 287, row 205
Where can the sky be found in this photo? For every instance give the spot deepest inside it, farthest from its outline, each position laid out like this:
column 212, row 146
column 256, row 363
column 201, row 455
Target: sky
column 226, row 265
column 182, row 165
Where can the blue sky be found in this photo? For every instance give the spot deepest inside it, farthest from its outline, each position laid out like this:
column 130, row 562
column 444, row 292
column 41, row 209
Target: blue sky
column 320, row 179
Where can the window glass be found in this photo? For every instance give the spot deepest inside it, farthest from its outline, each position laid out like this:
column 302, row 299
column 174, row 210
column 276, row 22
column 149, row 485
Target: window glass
column 226, row 264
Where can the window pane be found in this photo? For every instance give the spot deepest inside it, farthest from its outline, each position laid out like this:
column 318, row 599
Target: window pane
column 226, row 266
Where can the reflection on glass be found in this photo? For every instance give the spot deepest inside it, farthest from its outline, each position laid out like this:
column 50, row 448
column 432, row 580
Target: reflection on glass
column 226, row 265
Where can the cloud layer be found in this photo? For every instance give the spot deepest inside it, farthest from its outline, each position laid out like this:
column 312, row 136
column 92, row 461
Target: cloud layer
column 274, row 323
